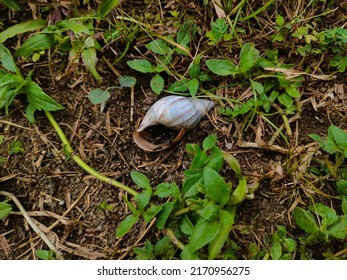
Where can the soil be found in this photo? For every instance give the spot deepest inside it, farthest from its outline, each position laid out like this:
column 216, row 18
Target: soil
column 65, row 201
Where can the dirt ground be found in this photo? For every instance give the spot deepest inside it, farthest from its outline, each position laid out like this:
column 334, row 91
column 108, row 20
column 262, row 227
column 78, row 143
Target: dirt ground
column 65, row 200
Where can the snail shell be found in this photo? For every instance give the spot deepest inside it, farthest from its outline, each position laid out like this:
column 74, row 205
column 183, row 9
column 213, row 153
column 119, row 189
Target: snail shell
column 175, row 112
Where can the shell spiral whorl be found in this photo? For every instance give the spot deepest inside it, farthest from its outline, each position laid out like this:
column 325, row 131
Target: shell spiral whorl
column 176, row 112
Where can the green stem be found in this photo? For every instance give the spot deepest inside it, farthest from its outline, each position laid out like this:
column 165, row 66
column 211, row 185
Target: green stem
column 69, row 151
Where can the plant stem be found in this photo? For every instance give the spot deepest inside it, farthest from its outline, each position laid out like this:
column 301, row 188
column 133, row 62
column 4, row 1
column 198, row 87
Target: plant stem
column 70, row 153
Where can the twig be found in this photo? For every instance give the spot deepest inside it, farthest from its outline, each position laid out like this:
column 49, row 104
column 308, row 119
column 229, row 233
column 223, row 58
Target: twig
column 39, row 232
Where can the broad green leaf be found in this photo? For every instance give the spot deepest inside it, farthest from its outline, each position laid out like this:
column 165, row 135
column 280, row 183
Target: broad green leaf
column 21, row 28
column 73, row 25
column 328, row 214
column 7, row 61
column 186, row 226
column 39, row 99
column 210, row 212
column 276, row 250
column 209, row 142
column 285, row 100
column 45, row 254
column 188, row 254
column 179, row 86
column 127, row 81
column 216, row 188
column 293, row 92
column 239, row 193
column 248, row 57
column 216, row 163
column 150, row 213
column 141, row 65
column 339, row 230
column 140, row 179
column 167, row 189
column 11, row 4
column 143, row 198
column 5, row 209
column 290, row 244
column 164, row 214
column 125, row 226
column 258, row 87
column 305, row 220
column 193, row 86
column 97, row 96
column 339, row 136
column 36, row 43
column 199, row 160
column 163, row 246
column 89, row 60
column 158, row 46
column 221, row 67
column 157, row 84
column 107, row 6
column 194, row 70
column 204, row 232
column 190, row 182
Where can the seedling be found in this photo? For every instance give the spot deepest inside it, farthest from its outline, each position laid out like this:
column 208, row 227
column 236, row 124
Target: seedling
column 201, row 213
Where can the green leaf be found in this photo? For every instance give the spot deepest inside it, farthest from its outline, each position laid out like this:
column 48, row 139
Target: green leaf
column 248, row 57
column 186, row 226
column 150, row 213
column 141, row 180
column 194, row 70
column 199, row 160
column 204, row 232
column 164, row 214
column 209, row 142
column 107, row 6
column 125, row 226
column 158, row 46
column 5, row 209
column 285, row 100
column 328, row 214
column 290, row 244
column 344, row 204
column 339, row 230
column 221, row 67
column 216, row 188
column 97, row 96
column 167, row 189
column 141, row 65
column 163, row 246
column 179, row 86
column 305, row 220
column 239, row 193
column 233, row 163
column 276, row 250
column 339, row 136
column 36, row 43
column 45, row 254
column 157, row 84
column 293, row 92
column 11, row 4
column 15, row 147
column 143, row 198
column 21, row 28
column 89, row 60
column 39, row 99
column 127, row 81
column 210, row 212
column 193, row 86
column 7, row 61
column 73, row 25
column 279, row 20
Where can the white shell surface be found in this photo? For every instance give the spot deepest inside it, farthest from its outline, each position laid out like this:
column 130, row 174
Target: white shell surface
column 176, row 112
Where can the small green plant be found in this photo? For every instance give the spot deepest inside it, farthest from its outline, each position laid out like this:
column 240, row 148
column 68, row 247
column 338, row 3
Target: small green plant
column 277, row 247
column 335, row 144
column 12, row 83
column 218, row 32
column 321, row 222
column 199, row 216
column 45, row 254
